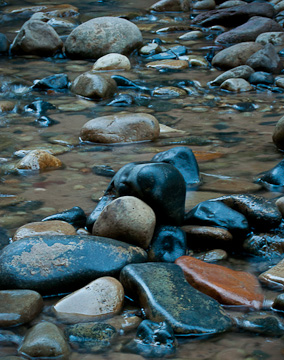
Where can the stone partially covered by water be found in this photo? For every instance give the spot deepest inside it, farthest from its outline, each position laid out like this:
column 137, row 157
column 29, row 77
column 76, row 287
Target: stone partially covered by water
column 262, row 323
column 164, row 294
column 56, row 82
column 274, row 277
column 39, row 160
column 273, row 178
column 58, row 264
column 264, row 245
column 228, row 287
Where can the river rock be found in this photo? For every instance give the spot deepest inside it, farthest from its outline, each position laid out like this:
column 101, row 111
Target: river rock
column 4, row 44
column 249, row 31
column 168, row 243
column 74, row 216
column 236, row 85
column 212, row 255
column 112, row 62
column 242, row 71
column 278, row 303
column 168, row 64
column 192, row 35
column 19, row 307
column 204, row 5
column 54, row 227
column 235, row 55
column 4, row 238
column 235, row 15
column 55, row 82
column 184, row 160
column 264, row 245
column 39, row 160
column 171, row 5
column 278, row 136
column 273, row 178
column 153, row 340
column 214, row 213
column 101, row 36
column 94, row 86
column 121, row 127
column 262, row 214
column 165, row 295
column 128, row 219
column 58, row 264
column 45, row 340
column 274, row 277
column 261, row 323
column 275, row 38
column 90, row 337
column 266, row 59
column 228, row 287
column 159, row 185
column 99, row 299
column 169, row 91
column 36, row 38
column 280, row 205
column 261, row 77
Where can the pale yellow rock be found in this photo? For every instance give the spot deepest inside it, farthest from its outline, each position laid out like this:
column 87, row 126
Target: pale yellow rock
column 280, row 204
column 150, row 48
column 99, row 299
column 112, row 61
column 192, row 35
column 39, row 160
column 236, row 85
column 168, row 64
column 164, row 129
column 274, row 277
column 195, row 60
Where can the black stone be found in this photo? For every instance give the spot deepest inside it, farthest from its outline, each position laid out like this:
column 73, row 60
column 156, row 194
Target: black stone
column 272, row 179
column 184, row 160
column 55, row 82
column 278, row 303
column 122, row 81
column 245, row 107
column 261, row 323
column 4, row 238
column 264, row 245
column 168, row 243
column 261, row 77
column 59, row 264
column 45, row 121
column 103, row 170
column 39, row 107
column 215, row 213
column 122, row 100
column 74, row 216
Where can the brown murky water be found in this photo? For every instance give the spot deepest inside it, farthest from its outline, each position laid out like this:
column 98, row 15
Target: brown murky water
column 231, row 146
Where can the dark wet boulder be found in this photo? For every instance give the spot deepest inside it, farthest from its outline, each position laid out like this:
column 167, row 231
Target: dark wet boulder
column 264, row 245
column 261, row 77
column 159, row 185
column 234, row 15
column 92, row 218
column 273, row 178
column 56, row 82
column 184, row 160
column 168, row 243
column 74, row 216
column 262, row 214
column 4, row 238
column 278, row 136
column 215, row 213
column 266, row 59
column 4, row 44
column 164, row 294
column 153, row 340
column 58, row 264
column 261, row 323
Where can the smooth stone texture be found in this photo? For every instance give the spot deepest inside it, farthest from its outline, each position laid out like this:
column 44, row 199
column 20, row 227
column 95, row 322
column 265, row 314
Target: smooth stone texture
column 235, row 55
column 51, row 228
column 121, row 127
column 56, row 82
column 159, row 185
column 184, row 160
column 236, row 85
column 242, row 71
column 204, row 5
column 261, row 323
column 261, row 77
column 168, row 243
column 37, row 38
column 165, row 295
column 169, row 91
column 278, row 134
column 248, row 31
column 74, row 216
column 127, row 219
column 101, row 36
column 274, row 277
column 6, row 106
column 112, row 62
column 90, row 337
column 212, row 255
column 58, row 264
column 39, row 160
column 228, row 287
column 19, row 307
column 94, row 86
column 192, row 35
column 280, row 82
column 273, row 178
column 168, row 64
column 171, row 5
column 214, row 213
column 278, row 303
column 266, row 59
column 262, row 214
column 99, row 299
column 45, row 340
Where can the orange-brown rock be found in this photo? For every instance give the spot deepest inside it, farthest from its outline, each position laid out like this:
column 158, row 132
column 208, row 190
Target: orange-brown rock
column 227, row 286
column 39, row 160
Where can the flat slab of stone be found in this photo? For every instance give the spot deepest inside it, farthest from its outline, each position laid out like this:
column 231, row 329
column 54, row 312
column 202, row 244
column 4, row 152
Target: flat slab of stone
column 165, row 295
column 60, row 264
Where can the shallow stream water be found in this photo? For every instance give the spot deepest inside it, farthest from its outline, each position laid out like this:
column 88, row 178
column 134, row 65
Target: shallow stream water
column 229, row 133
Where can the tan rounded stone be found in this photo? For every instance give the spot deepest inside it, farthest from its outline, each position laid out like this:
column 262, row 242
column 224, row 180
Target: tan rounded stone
column 168, row 64
column 204, row 5
column 274, row 277
column 52, row 227
column 170, row 91
column 236, row 85
column 279, row 82
column 192, row 35
column 39, row 160
column 6, row 105
column 127, row 219
column 99, row 299
column 278, row 134
column 280, row 204
column 112, row 62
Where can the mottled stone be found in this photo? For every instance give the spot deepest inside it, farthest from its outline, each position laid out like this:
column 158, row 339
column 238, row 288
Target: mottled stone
column 39, row 160
column 58, row 264
column 54, row 227
column 212, row 255
column 45, row 340
column 74, row 216
column 99, row 299
column 168, row 64
column 261, row 323
column 236, row 85
column 121, row 127
column 228, row 287
column 275, row 38
column 171, row 5
column 266, row 59
column 264, row 245
column 169, row 91
column 242, row 71
column 164, row 294
column 274, row 277
column 19, row 307
column 112, row 62
column 6, row 106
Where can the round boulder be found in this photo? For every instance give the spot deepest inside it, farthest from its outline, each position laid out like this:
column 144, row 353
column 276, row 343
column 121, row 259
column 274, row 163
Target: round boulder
column 112, row 62
column 121, row 127
column 103, row 35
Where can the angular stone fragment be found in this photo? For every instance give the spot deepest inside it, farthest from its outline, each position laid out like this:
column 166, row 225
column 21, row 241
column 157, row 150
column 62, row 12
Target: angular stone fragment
column 74, row 216
column 164, row 294
column 58, row 264
column 228, row 287
column 242, row 71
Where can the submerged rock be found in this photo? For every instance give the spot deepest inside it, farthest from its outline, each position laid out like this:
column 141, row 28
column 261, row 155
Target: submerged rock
column 56, row 82
column 164, row 294
column 264, row 245
column 4, row 44
column 261, row 323
column 39, row 160
column 58, row 264
column 261, row 77
column 273, row 178
column 74, row 216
